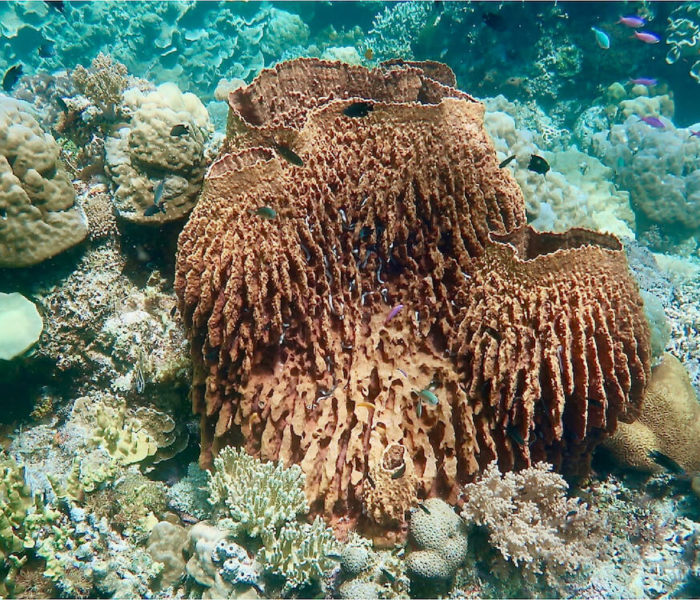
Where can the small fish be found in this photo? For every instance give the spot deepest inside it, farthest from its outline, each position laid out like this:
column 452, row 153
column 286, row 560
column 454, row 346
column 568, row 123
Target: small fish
column 493, row 333
column 647, row 37
column 265, row 212
column 358, row 109
column 514, row 434
column 494, row 21
column 694, row 133
column 153, row 209
column 62, row 104
column 399, row 472
column 393, row 312
column 429, row 397
column 666, row 462
column 601, row 38
column 55, row 4
column 173, row 310
column 289, row 155
column 158, row 191
column 369, row 54
column 47, row 50
column 538, row 164
column 11, row 77
column 367, row 405
column 424, row 508
column 403, row 373
column 507, row 161
column 571, row 513
column 654, row 122
column 180, row 129
column 647, row 81
column 388, row 574
column 333, row 556
column 632, row 21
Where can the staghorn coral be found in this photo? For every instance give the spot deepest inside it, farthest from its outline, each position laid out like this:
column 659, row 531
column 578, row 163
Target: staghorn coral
column 294, row 355
column 38, row 214
column 669, row 422
column 532, row 522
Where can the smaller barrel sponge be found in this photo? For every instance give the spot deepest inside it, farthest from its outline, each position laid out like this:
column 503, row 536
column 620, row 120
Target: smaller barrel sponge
column 439, row 538
column 683, row 36
column 157, row 161
column 669, row 423
column 38, row 214
column 257, row 496
column 20, row 325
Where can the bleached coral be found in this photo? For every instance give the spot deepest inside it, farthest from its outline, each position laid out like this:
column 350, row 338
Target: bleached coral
column 532, row 522
column 576, row 192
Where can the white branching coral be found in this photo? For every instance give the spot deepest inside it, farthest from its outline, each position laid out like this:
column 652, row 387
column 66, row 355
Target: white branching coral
column 256, row 496
column 532, row 522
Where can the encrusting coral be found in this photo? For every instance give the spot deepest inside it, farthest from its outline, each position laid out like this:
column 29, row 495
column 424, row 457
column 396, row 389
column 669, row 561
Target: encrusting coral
column 343, row 192
column 669, row 423
column 38, row 214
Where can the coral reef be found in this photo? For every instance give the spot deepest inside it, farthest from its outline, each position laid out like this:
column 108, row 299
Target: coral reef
column 158, row 159
column 668, row 423
column 38, row 214
column 531, row 521
column 20, row 325
column 313, row 224
column 683, row 35
column 103, row 84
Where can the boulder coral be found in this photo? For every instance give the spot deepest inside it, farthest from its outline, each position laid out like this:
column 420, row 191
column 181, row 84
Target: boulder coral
column 39, row 217
column 668, row 423
column 343, row 193
column 158, row 158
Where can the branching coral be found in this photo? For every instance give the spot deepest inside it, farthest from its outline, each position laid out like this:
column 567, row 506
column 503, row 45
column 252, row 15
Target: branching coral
column 257, row 497
column 532, row 522
column 313, row 224
column 104, row 83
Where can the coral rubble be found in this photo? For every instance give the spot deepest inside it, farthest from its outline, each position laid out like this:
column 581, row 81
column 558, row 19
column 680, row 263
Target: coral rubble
column 342, row 193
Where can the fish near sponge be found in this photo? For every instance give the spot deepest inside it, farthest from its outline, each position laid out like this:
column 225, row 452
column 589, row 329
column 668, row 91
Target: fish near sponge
column 669, row 423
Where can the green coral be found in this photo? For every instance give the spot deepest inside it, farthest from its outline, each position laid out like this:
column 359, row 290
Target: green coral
column 21, row 515
column 299, row 553
column 257, row 496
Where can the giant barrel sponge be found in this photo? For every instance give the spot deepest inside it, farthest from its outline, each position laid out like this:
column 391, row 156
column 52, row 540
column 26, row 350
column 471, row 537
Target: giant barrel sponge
column 342, row 193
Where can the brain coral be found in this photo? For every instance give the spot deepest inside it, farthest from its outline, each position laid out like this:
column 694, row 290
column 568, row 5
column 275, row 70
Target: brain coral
column 531, row 344
column 38, row 214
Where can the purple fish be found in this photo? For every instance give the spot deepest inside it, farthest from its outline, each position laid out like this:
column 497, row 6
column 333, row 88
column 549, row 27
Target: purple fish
column 653, row 122
column 632, row 21
column 695, row 133
column 393, row 312
column 643, row 81
column 647, row 37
